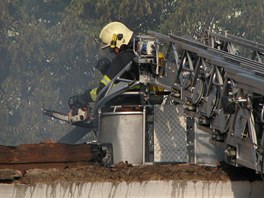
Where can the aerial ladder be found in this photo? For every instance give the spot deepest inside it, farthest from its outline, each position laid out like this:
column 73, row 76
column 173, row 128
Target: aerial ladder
column 221, row 91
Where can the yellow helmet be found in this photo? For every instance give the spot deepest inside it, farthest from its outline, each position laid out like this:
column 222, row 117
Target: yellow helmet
column 115, row 34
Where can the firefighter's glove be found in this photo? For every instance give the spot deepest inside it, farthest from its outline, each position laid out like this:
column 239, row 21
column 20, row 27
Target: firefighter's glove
column 76, row 102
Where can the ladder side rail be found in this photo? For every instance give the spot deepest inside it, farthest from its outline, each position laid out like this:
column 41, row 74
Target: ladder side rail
column 257, row 47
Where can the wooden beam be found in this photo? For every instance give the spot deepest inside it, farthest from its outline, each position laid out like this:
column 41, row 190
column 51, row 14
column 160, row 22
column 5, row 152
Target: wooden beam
column 49, row 155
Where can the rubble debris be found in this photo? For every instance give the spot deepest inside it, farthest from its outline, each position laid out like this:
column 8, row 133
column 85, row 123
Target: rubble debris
column 125, row 172
column 10, row 174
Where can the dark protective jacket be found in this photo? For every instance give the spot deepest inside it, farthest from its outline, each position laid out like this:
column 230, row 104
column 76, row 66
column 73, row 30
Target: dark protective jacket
column 119, row 62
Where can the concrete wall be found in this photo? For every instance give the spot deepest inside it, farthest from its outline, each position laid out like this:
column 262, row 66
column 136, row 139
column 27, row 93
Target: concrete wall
column 151, row 189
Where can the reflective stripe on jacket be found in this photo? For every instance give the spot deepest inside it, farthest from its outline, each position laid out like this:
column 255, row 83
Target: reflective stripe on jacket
column 94, row 92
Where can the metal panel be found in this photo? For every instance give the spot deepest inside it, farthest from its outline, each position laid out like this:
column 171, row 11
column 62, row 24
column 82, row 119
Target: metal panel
column 205, row 152
column 125, row 131
column 169, row 134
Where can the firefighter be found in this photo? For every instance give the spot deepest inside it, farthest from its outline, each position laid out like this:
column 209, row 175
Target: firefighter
column 118, row 38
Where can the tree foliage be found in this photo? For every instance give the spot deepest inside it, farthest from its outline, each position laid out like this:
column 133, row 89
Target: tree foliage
column 48, row 48
column 241, row 18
